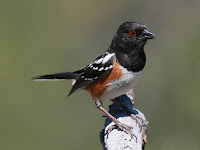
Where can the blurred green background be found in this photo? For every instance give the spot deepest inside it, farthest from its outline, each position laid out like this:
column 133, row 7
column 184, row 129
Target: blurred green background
column 45, row 36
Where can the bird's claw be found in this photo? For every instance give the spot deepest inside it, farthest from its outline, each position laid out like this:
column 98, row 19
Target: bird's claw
column 123, row 127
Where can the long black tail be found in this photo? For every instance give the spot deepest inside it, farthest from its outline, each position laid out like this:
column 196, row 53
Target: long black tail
column 56, row 76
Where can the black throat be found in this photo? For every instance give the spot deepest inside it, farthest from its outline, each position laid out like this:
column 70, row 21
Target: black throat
column 131, row 59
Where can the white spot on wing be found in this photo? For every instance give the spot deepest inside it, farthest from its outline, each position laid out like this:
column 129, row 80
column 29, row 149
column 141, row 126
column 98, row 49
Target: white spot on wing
column 107, row 57
column 101, row 68
column 106, row 69
column 110, row 66
column 99, row 61
column 87, row 78
column 95, row 68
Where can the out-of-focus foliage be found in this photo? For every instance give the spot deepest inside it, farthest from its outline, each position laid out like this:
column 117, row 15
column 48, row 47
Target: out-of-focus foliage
column 44, row 36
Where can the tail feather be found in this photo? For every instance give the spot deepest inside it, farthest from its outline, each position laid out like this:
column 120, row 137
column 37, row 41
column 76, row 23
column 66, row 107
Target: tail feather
column 56, row 76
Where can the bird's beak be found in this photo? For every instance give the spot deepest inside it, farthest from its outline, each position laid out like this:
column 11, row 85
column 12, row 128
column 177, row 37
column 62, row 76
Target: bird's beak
column 147, row 34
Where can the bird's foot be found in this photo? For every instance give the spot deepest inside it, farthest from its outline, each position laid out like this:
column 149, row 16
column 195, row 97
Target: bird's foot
column 137, row 119
column 127, row 129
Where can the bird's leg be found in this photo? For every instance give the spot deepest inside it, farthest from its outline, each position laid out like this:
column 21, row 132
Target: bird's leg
column 123, row 127
column 100, row 107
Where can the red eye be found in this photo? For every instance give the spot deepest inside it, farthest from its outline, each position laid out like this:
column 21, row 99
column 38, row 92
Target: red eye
column 132, row 33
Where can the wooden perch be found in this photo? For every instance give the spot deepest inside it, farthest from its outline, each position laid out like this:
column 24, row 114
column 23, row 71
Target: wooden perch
column 112, row 138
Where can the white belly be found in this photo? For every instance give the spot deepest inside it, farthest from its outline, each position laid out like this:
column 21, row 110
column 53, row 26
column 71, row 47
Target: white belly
column 121, row 86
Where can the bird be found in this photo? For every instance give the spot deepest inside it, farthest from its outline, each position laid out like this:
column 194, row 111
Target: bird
column 115, row 72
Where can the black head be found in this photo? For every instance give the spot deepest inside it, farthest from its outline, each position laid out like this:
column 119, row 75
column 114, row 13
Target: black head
column 131, row 35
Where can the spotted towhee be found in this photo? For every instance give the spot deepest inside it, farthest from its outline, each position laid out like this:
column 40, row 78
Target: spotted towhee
column 116, row 71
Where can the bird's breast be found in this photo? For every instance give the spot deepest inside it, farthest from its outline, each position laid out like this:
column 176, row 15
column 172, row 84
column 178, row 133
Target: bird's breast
column 121, row 86
column 118, row 82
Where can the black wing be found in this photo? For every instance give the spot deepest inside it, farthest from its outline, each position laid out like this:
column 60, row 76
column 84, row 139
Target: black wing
column 98, row 69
